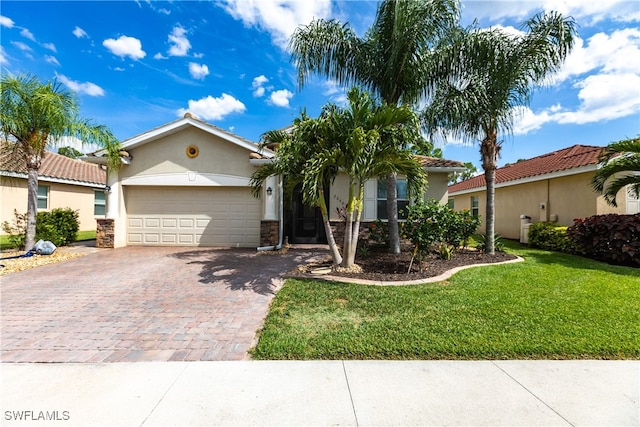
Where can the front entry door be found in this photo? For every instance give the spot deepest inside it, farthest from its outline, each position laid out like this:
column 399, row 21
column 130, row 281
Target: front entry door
column 307, row 224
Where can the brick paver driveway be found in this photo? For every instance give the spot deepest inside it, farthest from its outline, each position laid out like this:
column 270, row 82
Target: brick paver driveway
column 141, row 303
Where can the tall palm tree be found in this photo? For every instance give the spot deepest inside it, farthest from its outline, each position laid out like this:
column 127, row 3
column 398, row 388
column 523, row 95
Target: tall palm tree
column 33, row 114
column 359, row 140
column 394, row 60
column 619, row 167
column 492, row 74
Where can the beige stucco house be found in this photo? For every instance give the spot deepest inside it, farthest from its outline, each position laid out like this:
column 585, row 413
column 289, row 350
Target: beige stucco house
column 552, row 187
column 62, row 183
column 187, row 183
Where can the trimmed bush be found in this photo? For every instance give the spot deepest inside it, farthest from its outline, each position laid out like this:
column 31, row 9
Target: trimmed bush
column 60, row 226
column 551, row 237
column 611, row 238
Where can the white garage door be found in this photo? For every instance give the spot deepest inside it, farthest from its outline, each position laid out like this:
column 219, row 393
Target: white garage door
column 204, row 216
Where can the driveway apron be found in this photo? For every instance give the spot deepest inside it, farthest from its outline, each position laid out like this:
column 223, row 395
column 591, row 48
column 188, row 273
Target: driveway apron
column 142, row 304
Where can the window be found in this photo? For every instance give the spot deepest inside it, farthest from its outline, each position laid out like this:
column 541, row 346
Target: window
column 451, row 203
column 403, row 202
column 43, row 196
column 475, row 206
column 99, row 205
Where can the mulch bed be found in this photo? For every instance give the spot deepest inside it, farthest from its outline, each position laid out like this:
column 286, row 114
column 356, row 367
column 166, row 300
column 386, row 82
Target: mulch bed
column 382, row 266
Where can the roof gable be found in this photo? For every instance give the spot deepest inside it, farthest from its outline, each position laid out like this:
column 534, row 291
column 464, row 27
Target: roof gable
column 187, row 121
column 575, row 158
column 54, row 166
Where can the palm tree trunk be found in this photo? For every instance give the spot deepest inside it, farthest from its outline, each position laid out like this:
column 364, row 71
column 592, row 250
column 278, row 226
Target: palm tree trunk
column 489, row 150
column 348, row 228
column 32, row 207
column 333, row 247
column 490, row 176
column 392, row 214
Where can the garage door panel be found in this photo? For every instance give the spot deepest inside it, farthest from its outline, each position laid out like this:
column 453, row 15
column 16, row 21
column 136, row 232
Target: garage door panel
column 201, row 216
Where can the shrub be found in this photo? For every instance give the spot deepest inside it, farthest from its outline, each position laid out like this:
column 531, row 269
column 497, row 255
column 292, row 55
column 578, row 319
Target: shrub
column 549, row 236
column 430, row 223
column 60, row 226
column 611, row 238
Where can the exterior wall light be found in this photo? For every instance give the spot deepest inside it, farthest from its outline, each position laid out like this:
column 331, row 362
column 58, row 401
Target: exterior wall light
column 269, row 191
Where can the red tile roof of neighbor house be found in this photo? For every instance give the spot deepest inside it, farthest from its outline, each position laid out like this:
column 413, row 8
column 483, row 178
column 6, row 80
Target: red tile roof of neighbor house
column 568, row 158
column 54, row 166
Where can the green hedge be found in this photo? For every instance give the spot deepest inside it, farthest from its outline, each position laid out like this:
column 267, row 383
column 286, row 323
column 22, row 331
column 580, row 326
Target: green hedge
column 551, row 237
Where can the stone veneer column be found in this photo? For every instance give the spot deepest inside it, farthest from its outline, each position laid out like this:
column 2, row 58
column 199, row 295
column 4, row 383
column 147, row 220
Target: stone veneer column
column 269, row 232
column 105, row 234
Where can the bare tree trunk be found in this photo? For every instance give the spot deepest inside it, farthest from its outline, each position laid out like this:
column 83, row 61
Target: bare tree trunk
column 333, row 247
column 392, row 214
column 355, row 228
column 32, row 207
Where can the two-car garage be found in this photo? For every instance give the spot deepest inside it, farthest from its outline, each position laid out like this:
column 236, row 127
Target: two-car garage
column 192, row 216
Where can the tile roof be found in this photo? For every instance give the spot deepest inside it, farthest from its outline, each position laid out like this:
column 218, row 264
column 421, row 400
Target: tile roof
column 435, row 162
column 54, row 166
column 568, row 158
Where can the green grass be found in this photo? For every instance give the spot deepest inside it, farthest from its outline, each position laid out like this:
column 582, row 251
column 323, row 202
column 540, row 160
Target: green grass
column 80, row 236
column 553, row 306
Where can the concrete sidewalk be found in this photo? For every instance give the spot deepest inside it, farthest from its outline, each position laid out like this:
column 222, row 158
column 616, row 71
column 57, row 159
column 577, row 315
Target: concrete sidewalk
column 411, row 393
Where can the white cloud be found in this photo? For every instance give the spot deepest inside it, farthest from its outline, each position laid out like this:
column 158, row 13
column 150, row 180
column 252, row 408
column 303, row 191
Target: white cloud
column 3, row 57
column 88, row 88
column 27, row 34
column 70, row 141
column 586, row 12
column 618, row 52
column 6, row 22
column 80, row 33
column 198, row 71
column 180, row 44
column 210, row 108
column 257, row 85
column 336, row 93
column 164, row 11
column 125, row 46
column 50, row 46
column 51, row 60
column 22, row 46
column 278, row 17
column 160, row 56
column 281, row 98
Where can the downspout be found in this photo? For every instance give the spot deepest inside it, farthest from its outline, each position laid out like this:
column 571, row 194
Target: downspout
column 281, row 225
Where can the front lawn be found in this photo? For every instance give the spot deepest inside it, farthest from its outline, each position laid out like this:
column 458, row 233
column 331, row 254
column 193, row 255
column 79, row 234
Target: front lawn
column 553, row 306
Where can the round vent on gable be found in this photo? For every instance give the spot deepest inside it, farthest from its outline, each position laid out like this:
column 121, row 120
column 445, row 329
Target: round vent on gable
column 192, row 151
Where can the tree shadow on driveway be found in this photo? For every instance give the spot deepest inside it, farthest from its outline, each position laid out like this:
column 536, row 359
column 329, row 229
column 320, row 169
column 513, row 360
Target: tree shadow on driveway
column 246, row 269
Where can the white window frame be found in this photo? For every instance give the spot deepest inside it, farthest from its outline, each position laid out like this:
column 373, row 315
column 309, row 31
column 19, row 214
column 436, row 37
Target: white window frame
column 99, row 203
column 475, row 210
column 42, row 197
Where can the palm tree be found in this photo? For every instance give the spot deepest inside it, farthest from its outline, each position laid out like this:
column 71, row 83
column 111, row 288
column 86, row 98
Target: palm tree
column 492, row 74
column 360, row 140
column 394, row 60
column 619, row 162
column 33, row 114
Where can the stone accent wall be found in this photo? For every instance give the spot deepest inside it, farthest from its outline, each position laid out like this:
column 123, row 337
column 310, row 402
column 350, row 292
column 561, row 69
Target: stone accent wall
column 269, row 232
column 337, row 227
column 105, row 235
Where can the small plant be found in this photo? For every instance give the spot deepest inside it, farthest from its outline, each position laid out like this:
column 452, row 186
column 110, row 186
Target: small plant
column 379, row 233
column 17, row 230
column 60, row 226
column 445, row 251
column 481, row 240
column 363, row 249
column 549, row 236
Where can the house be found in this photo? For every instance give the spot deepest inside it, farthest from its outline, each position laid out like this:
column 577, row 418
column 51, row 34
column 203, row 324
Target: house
column 552, row 187
column 187, row 183
column 62, row 183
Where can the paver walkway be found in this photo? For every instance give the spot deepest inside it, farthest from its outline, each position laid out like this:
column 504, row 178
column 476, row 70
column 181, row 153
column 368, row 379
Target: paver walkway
column 141, row 304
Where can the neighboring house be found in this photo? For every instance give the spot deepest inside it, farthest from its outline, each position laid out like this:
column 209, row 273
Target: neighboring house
column 62, row 183
column 187, row 183
column 552, row 187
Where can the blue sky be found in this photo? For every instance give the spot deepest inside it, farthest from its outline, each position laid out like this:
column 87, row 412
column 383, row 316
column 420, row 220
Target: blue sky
column 136, row 65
